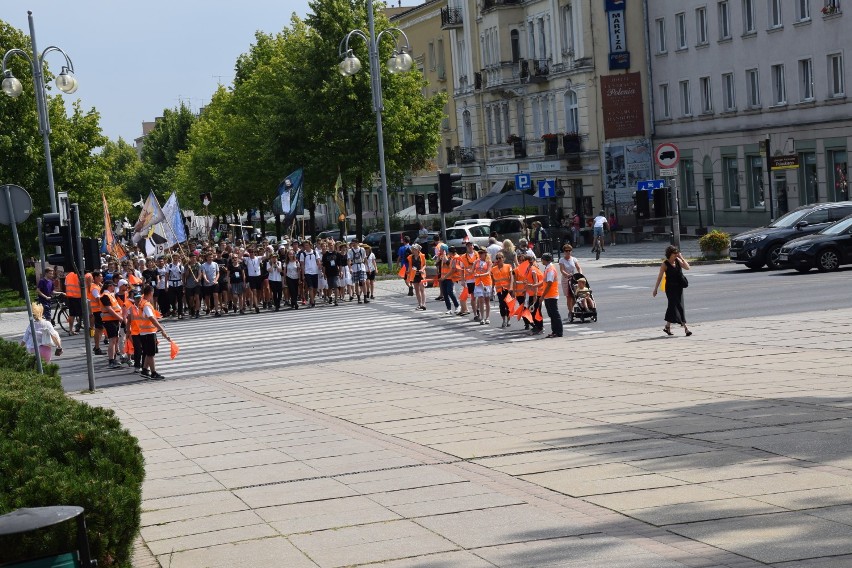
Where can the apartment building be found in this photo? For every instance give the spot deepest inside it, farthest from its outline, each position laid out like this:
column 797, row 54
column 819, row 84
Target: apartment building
column 753, row 93
column 554, row 88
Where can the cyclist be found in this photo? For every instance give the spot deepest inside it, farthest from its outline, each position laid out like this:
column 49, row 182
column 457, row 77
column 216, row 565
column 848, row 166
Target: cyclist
column 600, row 226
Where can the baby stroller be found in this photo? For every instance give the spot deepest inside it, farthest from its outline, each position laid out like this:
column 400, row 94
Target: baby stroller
column 580, row 312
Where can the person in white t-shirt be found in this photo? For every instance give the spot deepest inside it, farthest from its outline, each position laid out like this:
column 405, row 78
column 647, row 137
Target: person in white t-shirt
column 356, row 259
column 310, row 272
column 568, row 266
column 493, row 248
column 255, row 281
column 600, row 223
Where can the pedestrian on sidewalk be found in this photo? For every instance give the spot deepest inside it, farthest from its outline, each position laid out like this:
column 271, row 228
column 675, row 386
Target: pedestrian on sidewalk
column 372, row 268
column 501, row 275
column 416, row 275
column 672, row 268
column 551, row 295
column 568, row 266
column 447, row 274
column 46, row 336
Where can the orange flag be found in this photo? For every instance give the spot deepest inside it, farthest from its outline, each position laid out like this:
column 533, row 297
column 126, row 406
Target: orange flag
column 511, row 303
column 128, row 346
column 526, row 315
column 464, row 294
column 174, row 350
column 519, row 309
column 538, row 315
column 436, row 282
column 401, row 272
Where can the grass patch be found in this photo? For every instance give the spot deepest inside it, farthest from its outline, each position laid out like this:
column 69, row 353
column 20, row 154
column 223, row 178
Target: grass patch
column 12, row 299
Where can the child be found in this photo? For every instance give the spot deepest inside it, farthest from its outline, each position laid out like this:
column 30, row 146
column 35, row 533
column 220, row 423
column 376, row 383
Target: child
column 584, row 295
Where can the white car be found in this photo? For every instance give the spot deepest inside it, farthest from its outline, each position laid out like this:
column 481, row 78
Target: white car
column 457, row 237
column 463, row 222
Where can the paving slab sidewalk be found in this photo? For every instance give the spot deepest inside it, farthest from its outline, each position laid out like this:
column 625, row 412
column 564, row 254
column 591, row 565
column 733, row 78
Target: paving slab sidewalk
column 729, row 448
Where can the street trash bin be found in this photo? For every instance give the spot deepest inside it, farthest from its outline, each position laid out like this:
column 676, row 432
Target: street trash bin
column 27, row 520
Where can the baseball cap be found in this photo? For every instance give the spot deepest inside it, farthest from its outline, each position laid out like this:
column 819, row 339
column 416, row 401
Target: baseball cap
column 137, row 294
column 122, row 282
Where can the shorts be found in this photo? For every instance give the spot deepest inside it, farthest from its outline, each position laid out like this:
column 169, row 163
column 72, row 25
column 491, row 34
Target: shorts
column 599, row 231
column 359, row 276
column 255, row 282
column 75, row 307
column 111, row 328
column 332, row 281
column 371, row 275
column 322, row 283
column 190, row 292
column 149, row 344
column 238, row 289
column 482, row 292
column 312, row 281
column 209, row 291
column 99, row 322
column 470, row 287
column 418, row 278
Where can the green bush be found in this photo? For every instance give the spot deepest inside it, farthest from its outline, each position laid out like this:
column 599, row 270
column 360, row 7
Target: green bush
column 714, row 241
column 57, row 451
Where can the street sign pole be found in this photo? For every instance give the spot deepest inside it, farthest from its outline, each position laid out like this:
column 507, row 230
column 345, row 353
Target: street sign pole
column 675, row 206
column 81, row 277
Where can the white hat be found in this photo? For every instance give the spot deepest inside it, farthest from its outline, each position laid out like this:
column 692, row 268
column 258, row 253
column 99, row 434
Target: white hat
column 122, row 282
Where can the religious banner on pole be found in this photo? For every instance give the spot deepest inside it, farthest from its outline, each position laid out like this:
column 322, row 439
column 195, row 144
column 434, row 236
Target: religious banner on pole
column 290, row 197
column 113, row 247
column 150, row 215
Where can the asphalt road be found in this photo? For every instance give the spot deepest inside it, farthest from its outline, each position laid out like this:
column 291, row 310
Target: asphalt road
column 716, row 292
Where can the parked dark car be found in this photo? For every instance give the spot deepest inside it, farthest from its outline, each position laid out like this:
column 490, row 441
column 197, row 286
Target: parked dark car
column 825, row 250
column 761, row 246
column 427, row 242
column 377, row 241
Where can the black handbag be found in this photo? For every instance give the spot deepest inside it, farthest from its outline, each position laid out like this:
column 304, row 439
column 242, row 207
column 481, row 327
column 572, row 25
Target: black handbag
column 683, row 280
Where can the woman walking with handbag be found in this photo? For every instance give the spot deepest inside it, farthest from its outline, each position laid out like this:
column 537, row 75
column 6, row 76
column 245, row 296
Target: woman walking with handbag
column 672, row 268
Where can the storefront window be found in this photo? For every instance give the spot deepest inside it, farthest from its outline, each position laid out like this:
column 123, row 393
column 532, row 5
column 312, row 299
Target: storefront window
column 781, row 194
column 730, row 172
column 687, row 182
column 839, row 173
column 755, row 182
column 808, row 177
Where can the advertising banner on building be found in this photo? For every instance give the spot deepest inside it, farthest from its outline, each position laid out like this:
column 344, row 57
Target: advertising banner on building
column 619, row 57
column 624, row 114
column 625, row 164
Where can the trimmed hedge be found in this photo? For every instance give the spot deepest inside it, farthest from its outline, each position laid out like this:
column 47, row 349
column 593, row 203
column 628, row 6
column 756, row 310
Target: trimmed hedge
column 58, row 451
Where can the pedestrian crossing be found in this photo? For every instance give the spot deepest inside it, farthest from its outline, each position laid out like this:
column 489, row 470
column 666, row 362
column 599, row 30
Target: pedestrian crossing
column 270, row 340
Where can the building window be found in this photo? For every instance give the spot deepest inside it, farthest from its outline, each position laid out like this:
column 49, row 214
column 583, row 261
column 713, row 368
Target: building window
column 779, row 86
column 753, row 88
column 755, row 182
column 519, row 112
column 661, row 35
column 701, row 25
column 836, row 86
column 489, row 126
column 808, row 177
column 665, row 110
column 545, row 115
column 536, row 119
column 685, row 103
column 706, row 95
column 505, row 132
column 728, row 91
column 568, row 30
column 748, row 16
column 687, row 182
column 806, row 79
column 680, row 30
column 775, row 14
column 803, row 9
column 839, row 172
column 498, row 125
column 724, row 20
column 572, row 115
column 442, row 72
column 431, row 55
column 732, row 182
column 515, row 42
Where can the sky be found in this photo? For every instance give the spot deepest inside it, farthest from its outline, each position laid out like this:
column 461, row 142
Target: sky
column 133, row 59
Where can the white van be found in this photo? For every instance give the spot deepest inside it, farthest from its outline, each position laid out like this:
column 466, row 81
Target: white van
column 463, row 222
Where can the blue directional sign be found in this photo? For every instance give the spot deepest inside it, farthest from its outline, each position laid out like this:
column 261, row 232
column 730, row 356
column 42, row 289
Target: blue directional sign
column 546, row 188
column 651, row 184
column 523, row 181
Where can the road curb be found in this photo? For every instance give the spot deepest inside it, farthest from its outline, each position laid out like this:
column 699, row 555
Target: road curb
column 13, row 309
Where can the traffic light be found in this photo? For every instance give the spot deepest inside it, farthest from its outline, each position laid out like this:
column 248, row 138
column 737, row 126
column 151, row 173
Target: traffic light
column 420, row 204
column 447, row 190
column 642, row 204
column 433, row 203
column 56, row 235
column 661, row 202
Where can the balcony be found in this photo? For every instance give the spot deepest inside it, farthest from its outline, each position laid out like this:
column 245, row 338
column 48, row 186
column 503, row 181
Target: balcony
column 551, row 144
column 505, row 73
column 451, row 18
column 490, row 4
column 465, row 155
column 540, row 70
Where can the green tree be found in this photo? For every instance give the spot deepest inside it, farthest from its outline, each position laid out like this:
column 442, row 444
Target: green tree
column 160, row 150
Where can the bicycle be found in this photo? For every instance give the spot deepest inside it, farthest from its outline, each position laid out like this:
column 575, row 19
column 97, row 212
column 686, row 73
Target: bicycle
column 597, row 246
column 59, row 310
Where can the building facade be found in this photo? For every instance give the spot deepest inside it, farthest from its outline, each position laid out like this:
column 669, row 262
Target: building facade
column 753, row 94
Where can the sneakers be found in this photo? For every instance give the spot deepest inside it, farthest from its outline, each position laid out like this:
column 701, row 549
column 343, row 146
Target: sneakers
column 256, row 310
column 458, row 310
column 113, row 364
column 97, row 351
column 366, row 301
column 476, row 317
column 217, row 314
column 157, row 376
column 502, row 325
column 359, row 299
column 410, row 292
column 487, row 322
column 145, row 373
column 421, row 308
column 481, row 322
column 335, row 302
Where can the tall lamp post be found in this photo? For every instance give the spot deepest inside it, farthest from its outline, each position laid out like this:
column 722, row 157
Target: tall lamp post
column 65, row 82
column 399, row 62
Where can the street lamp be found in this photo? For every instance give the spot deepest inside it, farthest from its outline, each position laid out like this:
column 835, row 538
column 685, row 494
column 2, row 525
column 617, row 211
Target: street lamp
column 399, row 62
column 65, row 82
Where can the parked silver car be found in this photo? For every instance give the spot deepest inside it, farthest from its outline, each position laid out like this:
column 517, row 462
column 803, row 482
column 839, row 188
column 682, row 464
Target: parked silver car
column 477, row 234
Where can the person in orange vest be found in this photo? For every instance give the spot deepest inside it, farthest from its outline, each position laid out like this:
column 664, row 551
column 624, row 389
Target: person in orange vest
column 482, row 287
column 134, row 316
column 93, row 293
column 74, row 299
column 535, row 285
column 521, row 273
column 467, row 261
column 111, row 316
column 446, row 274
column 148, row 328
column 551, row 295
column 416, row 274
column 501, row 274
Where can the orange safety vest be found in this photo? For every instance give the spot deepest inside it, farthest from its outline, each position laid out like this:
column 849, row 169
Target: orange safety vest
column 72, row 285
column 411, row 273
column 135, row 313
column 133, row 280
column 106, row 316
column 468, row 264
column 534, row 279
column 520, row 280
column 551, row 289
column 457, row 270
column 145, row 325
column 94, row 304
column 502, row 277
column 482, row 275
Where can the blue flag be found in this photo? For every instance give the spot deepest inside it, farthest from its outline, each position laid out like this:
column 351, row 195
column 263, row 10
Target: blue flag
column 290, row 197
